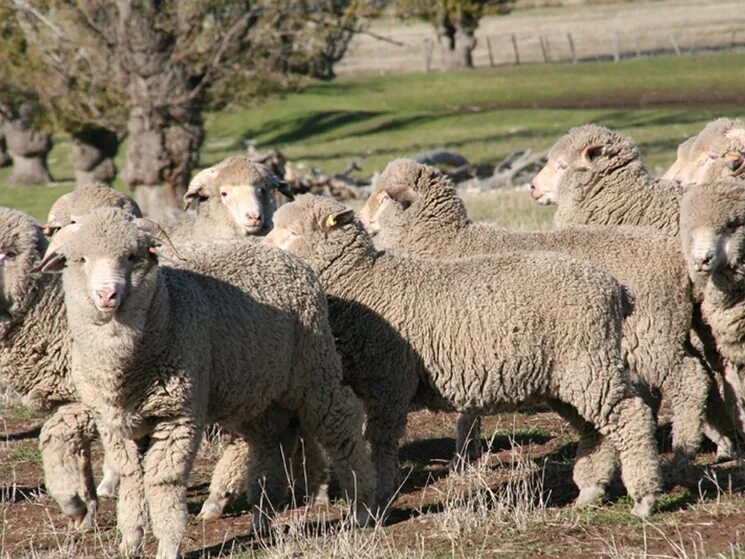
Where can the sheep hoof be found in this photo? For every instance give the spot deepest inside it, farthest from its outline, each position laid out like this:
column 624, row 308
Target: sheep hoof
column 363, row 517
column 725, row 452
column 260, row 523
column 643, row 507
column 212, row 508
column 589, row 494
column 168, row 550
column 107, row 488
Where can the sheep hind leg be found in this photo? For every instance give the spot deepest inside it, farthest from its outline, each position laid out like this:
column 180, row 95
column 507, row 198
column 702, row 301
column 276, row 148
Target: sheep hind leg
column 335, row 416
column 596, row 460
column 631, row 429
column 467, row 441
column 228, row 478
column 110, row 483
column 310, row 466
column 718, row 426
column 166, row 466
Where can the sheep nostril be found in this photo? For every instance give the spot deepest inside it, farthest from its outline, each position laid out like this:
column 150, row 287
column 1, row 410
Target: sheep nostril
column 106, row 297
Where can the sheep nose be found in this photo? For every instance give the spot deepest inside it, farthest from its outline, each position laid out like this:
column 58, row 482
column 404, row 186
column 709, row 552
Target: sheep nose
column 678, row 179
column 253, row 215
column 704, row 262
column 107, row 298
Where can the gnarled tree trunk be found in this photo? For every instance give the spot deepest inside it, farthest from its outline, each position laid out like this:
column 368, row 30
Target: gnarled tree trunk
column 28, row 148
column 5, row 159
column 92, row 156
column 460, row 42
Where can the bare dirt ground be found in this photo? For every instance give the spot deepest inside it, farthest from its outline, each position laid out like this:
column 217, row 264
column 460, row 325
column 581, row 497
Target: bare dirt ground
column 644, row 26
column 517, row 504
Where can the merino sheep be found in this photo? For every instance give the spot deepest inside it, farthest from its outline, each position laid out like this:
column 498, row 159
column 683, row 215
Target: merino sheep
column 513, row 330
column 152, row 374
column 229, row 475
column 34, row 361
column 597, row 177
column 712, row 222
column 233, row 198
column 416, row 211
column 714, row 153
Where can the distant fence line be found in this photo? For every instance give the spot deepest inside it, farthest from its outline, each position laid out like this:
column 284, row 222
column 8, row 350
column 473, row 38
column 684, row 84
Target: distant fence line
column 575, row 47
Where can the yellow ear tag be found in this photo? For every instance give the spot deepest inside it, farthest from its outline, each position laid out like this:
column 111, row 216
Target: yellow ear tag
column 330, row 221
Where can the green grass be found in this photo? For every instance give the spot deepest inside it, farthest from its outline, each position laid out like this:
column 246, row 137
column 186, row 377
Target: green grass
column 485, row 114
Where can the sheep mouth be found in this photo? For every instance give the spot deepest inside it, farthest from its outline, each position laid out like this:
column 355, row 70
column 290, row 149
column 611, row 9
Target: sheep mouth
column 251, row 228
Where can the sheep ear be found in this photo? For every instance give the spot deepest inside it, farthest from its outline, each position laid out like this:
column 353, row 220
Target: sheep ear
column 53, row 261
column 591, row 153
column 285, row 188
column 52, row 264
column 201, row 186
column 737, row 162
column 338, row 219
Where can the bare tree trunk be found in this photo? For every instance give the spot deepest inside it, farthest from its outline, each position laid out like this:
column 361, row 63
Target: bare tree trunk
column 28, row 148
column 92, row 156
column 5, row 159
column 460, row 43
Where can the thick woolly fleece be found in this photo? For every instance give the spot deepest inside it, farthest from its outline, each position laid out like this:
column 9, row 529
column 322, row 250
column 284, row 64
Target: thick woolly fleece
column 435, row 225
column 717, row 211
column 84, row 199
column 614, row 188
column 513, row 330
column 34, row 361
column 242, row 333
column 211, row 218
column 705, row 159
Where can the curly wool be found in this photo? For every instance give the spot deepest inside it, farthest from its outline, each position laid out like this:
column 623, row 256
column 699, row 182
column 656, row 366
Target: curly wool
column 243, row 330
column 84, row 199
column 435, row 225
column 613, row 189
column 497, row 341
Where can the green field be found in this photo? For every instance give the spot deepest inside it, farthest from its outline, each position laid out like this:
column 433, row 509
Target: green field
column 484, row 114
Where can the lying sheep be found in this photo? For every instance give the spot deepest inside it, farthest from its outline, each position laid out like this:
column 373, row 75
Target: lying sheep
column 513, row 330
column 34, row 350
column 716, row 152
column 152, row 374
column 416, row 211
column 229, row 476
column 712, row 222
column 233, row 198
column 597, row 177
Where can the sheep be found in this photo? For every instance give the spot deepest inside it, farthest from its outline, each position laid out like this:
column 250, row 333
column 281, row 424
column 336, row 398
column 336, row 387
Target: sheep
column 416, row 211
column 713, row 242
column 233, row 198
column 716, row 152
column 229, row 476
column 240, row 338
column 34, row 351
column 513, row 330
column 597, row 177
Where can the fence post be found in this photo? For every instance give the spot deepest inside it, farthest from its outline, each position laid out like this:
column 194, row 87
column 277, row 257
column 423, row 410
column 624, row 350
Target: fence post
column 427, row 48
column 544, row 49
column 676, row 48
column 571, row 48
column 732, row 41
column 616, row 47
column 491, row 56
column 514, row 47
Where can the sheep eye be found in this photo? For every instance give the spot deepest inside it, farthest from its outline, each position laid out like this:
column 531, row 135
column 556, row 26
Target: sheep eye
column 80, row 260
column 132, row 258
column 562, row 165
column 713, row 156
column 224, row 194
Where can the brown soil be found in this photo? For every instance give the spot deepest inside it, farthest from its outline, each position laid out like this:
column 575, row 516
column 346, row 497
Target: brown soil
column 693, row 517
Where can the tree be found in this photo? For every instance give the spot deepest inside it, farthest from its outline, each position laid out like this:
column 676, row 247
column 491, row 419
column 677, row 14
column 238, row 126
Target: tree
column 455, row 22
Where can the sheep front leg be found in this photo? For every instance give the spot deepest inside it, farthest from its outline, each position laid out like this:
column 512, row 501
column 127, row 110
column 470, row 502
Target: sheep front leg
column 110, row 483
column 64, row 443
column 734, row 394
column 467, row 441
column 228, row 478
column 166, row 466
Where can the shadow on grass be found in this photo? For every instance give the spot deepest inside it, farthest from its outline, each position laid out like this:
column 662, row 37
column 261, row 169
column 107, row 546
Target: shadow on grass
column 32, row 433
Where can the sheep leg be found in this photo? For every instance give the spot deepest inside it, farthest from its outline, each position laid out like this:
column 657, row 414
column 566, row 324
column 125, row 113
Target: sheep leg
column 229, row 478
column 335, row 416
column 167, row 463
column 64, row 443
column 131, row 510
column 309, row 459
column 110, row 483
column 734, row 393
column 631, row 429
column 596, row 457
column 467, row 441
column 718, row 426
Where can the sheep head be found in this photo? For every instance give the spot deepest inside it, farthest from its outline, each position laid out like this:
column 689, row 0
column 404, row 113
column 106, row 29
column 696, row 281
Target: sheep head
column 717, row 152
column 105, row 257
column 591, row 150
column 21, row 245
column 712, row 226
column 245, row 188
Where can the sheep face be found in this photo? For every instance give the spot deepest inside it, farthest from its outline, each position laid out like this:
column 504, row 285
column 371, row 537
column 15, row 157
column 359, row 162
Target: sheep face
column 683, row 156
column 310, row 228
column 583, row 154
column 375, row 208
column 21, row 246
column 108, row 264
column 713, row 229
column 715, row 153
column 246, row 205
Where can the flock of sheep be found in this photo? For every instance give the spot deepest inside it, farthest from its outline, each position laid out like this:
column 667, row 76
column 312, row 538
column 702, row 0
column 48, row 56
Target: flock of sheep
column 310, row 333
